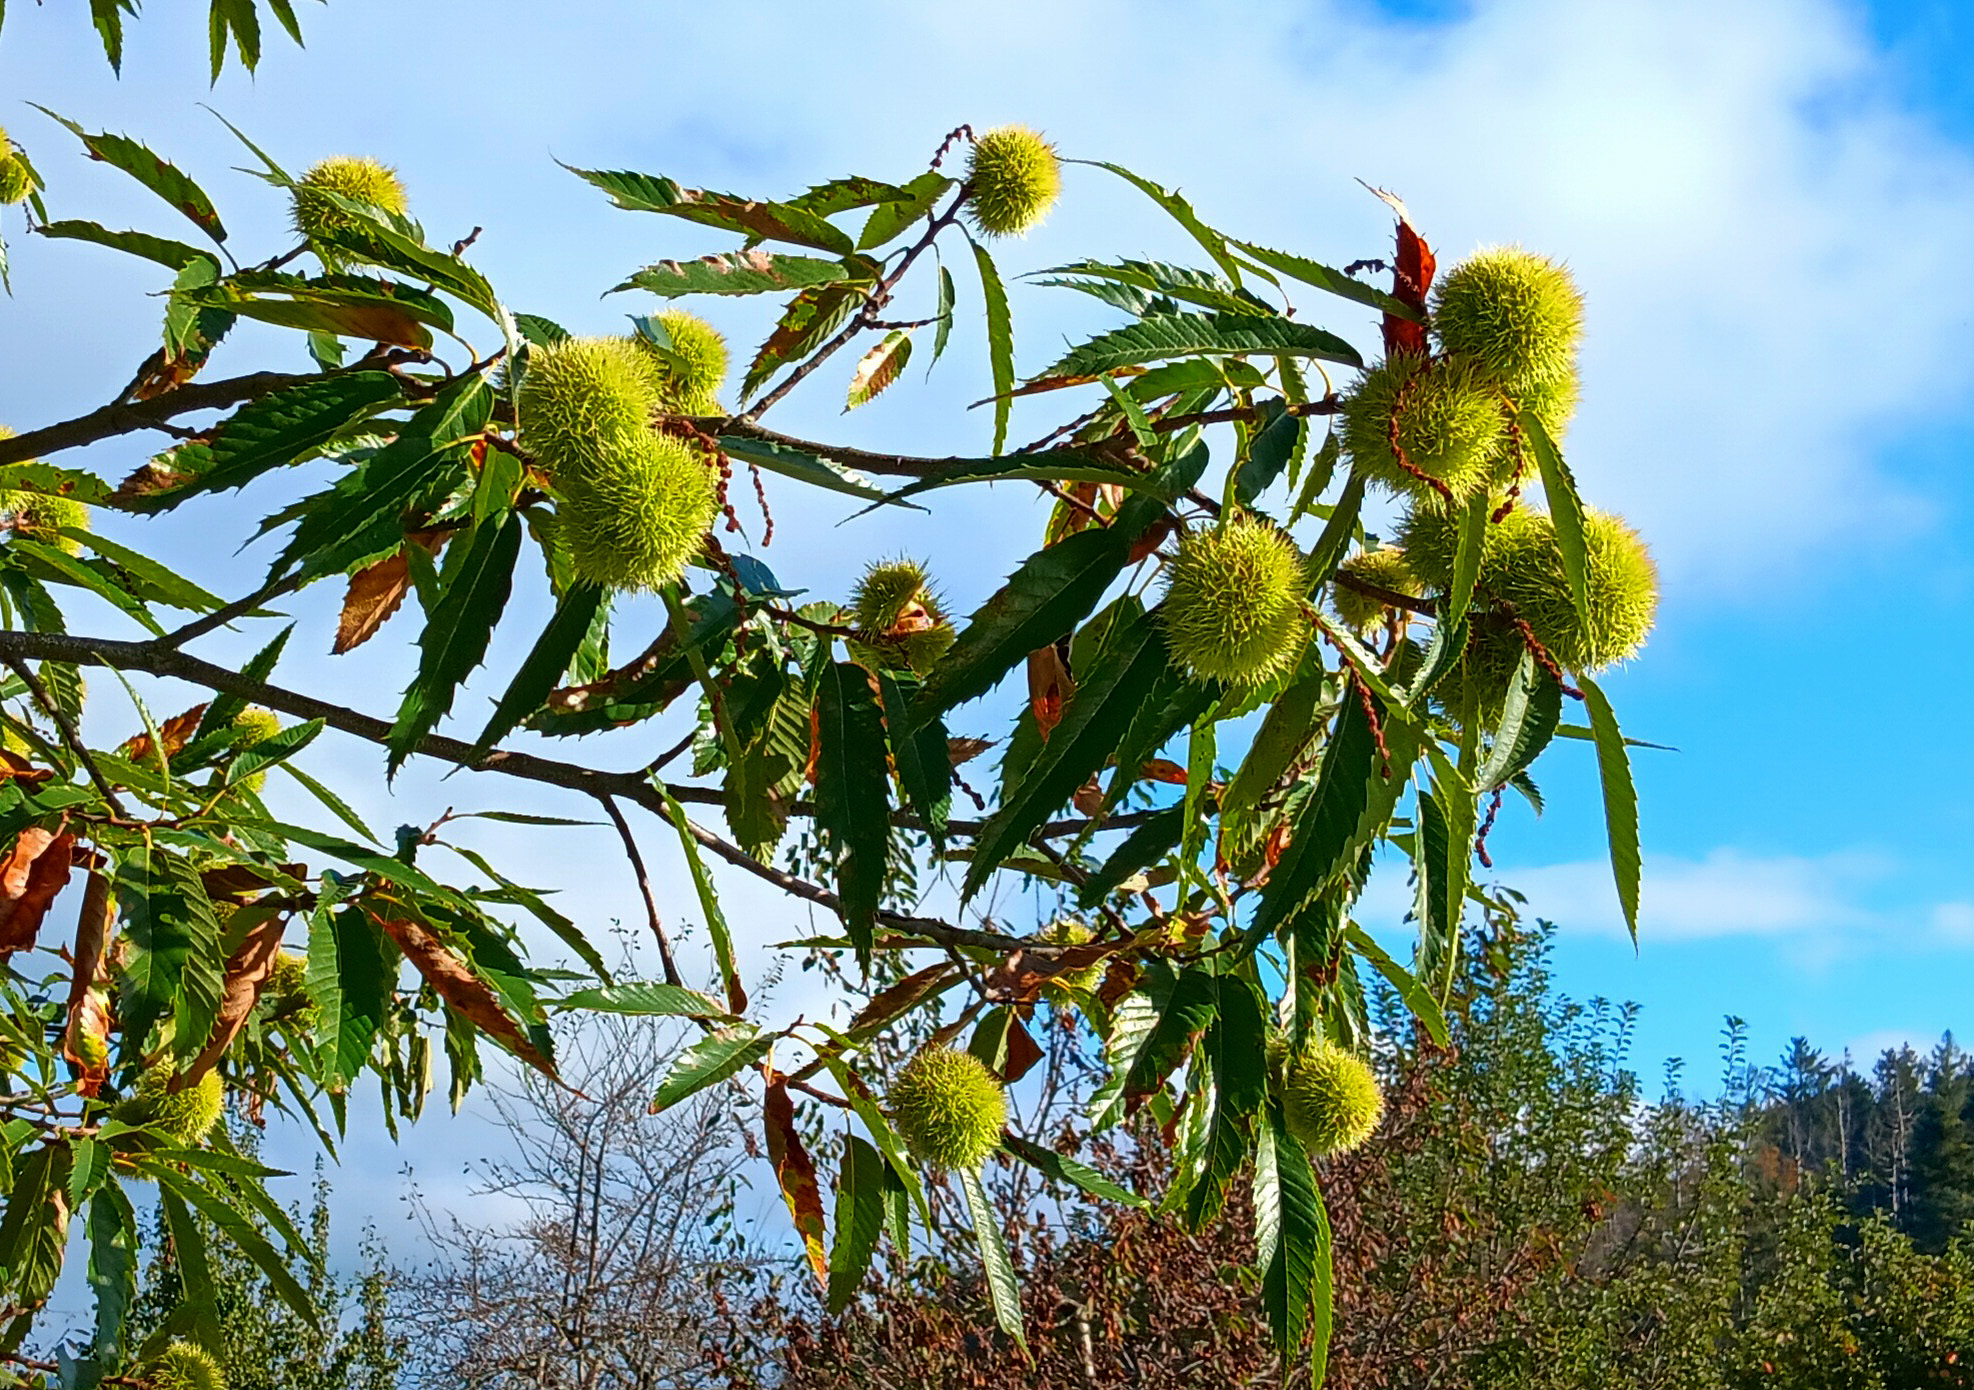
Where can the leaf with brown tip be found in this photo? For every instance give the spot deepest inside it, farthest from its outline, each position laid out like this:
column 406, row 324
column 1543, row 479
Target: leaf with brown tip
column 32, row 873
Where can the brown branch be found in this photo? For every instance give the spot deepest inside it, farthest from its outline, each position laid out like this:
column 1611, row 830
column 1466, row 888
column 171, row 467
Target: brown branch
column 672, row 976
column 1328, row 405
column 879, row 296
column 1391, row 598
column 119, row 418
column 70, row 734
column 159, row 660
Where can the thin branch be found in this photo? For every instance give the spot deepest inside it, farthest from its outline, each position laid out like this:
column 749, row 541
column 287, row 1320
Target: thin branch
column 1391, row 598
column 119, row 418
column 879, row 296
column 672, row 976
column 70, row 734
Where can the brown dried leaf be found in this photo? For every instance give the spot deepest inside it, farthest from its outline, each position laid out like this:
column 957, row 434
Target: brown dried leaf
column 960, row 751
column 32, row 873
column 247, row 971
column 1049, row 686
column 377, row 591
column 176, row 732
column 236, row 883
column 1164, row 770
column 899, row 998
column 15, row 768
column 1023, row 1052
column 1089, row 798
column 879, row 368
column 1020, row 978
column 149, row 479
column 1153, row 537
column 456, row 983
column 85, row 1041
column 796, row 1172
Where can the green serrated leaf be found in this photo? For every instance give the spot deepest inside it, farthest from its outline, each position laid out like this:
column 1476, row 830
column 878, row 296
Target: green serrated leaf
column 1000, row 341
column 853, row 794
column 477, row 581
column 710, row 1061
column 155, row 173
column 542, row 668
column 859, row 1218
column 1003, row 1288
column 893, row 215
column 163, row 250
column 1566, row 511
column 784, row 222
column 1332, row 281
column 1326, row 825
column 1288, row 1231
column 646, row 998
column 925, row 769
column 1093, row 720
column 709, row 903
column 878, row 368
column 1064, row 1169
column 1159, row 337
column 736, row 272
column 1529, row 718
column 1620, row 799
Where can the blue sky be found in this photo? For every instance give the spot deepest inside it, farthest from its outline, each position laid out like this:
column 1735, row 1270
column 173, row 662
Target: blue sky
column 1768, row 204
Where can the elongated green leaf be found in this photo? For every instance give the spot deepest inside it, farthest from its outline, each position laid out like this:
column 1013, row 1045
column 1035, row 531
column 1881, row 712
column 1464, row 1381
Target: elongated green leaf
column 710, row 1061
column 925, row 768
column 1437, row 866
column 1566, row 510
column 943, row 331
column 892, row 215
column 1417, row 997
column 1067, row 1170
column 240, row 1229
column 275, row 749
column 457, row 631
column 709, row 903
column 818, row 470
column 1274, row 443
column 768, row 221
column 56, row 563
column 1284, row 734
column 646, row 997
column 1332, row 281
column 1131, row 1023
column 350, row 979
column 853, row 805
column 735, row 272
column 112, row 1270
column 1003, row 1289
column 1322, row 1304
column 282, row 428
column 179, row 965
column 1074, row 464
column 366, row 234
column 1047, row 595
column 1191, row 1006
column 1337, row 532
column 159, row 583
column 1000, row 341
column 1143, row 847
column 1162, row 281
column 1093, row 720
column 155, row 173
column 1326, row 824
column 842, row 195
column 1159, row 337
column 163, row 250
column 1181, row 212
column 1237, row 1043
column 107, row 15
column 859, row 1218
column 542, row 668
column 1288, row 1231
column 1620, row 799
column 1529, row 716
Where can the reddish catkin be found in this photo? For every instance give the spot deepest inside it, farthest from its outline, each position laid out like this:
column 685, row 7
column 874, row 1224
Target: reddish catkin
column 1480, row 840
column 1398, row 449
column 761, row 496
column 1542, row 657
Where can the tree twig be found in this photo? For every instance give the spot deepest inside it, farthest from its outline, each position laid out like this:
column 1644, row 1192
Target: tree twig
column 672, row 976
column 70, row 734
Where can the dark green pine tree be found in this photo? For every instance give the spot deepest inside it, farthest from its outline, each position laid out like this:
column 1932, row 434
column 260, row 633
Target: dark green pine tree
column 1943, row 1151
